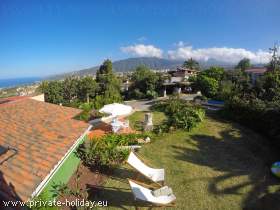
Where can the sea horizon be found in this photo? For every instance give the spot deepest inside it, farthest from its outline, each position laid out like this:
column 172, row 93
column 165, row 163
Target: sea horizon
column 13, row 82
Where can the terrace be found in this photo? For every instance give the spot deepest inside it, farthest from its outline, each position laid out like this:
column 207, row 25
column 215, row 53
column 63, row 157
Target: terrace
column 102, row 128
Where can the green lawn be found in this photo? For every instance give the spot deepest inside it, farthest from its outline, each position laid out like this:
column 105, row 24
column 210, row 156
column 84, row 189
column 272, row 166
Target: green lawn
column 219, row 165
column 136, row 120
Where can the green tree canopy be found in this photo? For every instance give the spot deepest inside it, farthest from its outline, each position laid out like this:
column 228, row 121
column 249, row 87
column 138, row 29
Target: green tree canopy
column 274, row 64
column 243, row 64
column 53, row 91
column 214, row 72
column 109, row 84
column 105, row 69
column 87, row 88
column 271, row 86
column 70, row 89
column 207, row 85
column 240, row 80
column 145, row 81
column 191, row 64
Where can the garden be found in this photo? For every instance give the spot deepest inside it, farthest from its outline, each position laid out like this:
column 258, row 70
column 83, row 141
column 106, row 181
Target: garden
column 211, row 160
column 217, row 165
column 210, row 163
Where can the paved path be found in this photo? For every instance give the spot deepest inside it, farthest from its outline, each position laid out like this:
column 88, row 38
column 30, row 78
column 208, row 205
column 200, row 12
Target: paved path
column 144, row 105
column 140, row 105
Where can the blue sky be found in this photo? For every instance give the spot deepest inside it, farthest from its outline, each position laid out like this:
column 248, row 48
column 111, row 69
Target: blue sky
column 45, row 37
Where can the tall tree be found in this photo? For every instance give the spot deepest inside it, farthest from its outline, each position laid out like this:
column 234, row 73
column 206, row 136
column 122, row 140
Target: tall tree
column 214, row 72
column 87, row 88
column 53, row 91
column 109, row 84
column 208, row 81
column 145, row 81
column 243, row 64
column 43, row 86
column 105, row 69
column 191, row 64
column 207, row 85
column 274, row 64
column 271, row 85
column 70, row 89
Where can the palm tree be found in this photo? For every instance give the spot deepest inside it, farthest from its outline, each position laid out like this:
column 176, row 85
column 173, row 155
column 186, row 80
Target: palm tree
column 191, row 64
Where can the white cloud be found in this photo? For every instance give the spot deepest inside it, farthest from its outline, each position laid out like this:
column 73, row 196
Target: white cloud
column 143, row 50
column 183, row 51
column 225, row 54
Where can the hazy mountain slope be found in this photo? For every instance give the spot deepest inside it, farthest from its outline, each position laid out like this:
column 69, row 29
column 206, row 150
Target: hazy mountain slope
column 130, row 64
column 154, row 63
column 127, row 65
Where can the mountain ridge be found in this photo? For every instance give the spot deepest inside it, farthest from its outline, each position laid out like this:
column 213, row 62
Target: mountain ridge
column 130, row 64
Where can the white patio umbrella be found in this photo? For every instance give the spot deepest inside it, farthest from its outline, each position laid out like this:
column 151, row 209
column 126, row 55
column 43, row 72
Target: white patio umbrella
column 116, row 109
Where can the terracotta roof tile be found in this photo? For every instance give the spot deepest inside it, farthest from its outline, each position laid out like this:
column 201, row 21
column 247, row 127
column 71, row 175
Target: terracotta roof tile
column 11, row 99
column 256, row 70
column 41, row 133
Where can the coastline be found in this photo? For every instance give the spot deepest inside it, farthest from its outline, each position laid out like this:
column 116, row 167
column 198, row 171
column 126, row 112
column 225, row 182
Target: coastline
column 18, row 82
column 19, row 86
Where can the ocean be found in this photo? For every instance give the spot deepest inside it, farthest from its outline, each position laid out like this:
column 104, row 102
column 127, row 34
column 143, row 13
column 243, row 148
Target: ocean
column 5, row 83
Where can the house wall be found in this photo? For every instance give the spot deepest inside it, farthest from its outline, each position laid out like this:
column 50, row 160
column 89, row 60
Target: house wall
column 64, row 173
column 40, row 97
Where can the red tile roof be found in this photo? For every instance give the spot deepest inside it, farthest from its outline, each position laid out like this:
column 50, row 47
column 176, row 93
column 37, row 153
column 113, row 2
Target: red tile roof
column 41, row 133
column 256, row 70
column 11, row 99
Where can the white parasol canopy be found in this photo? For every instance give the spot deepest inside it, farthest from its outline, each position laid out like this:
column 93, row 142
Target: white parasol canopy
column 116, row 109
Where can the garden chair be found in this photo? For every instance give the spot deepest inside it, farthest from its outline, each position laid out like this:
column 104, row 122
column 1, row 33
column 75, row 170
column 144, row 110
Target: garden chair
column 125, row 124
column 117, row 125
column 156, row 175
column 142, row 192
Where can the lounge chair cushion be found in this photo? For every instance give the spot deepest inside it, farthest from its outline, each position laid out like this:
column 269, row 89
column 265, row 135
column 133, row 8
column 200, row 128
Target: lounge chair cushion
column 145, row 194
column 162, row 191
column 156, row 175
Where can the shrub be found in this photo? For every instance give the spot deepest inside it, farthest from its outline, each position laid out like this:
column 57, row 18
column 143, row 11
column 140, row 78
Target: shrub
column 122, row 139
column 61, row 189
column 137, row 94
column 88, row 113
column 144, row 83
column 95, row 114
column 208, row 86
column 159, row 106
column 255, row 114
column 226, row 90
column 104, row 152
column 186, row 118
column 160, row 129
column 180, row 114
column 101, row 155
column 98, row 102
column 74, row 103
column 173, row 105
column 151, row 94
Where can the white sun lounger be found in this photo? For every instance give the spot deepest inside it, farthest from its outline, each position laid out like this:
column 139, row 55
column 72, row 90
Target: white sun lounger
column 156, row 175
column 144, row 194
